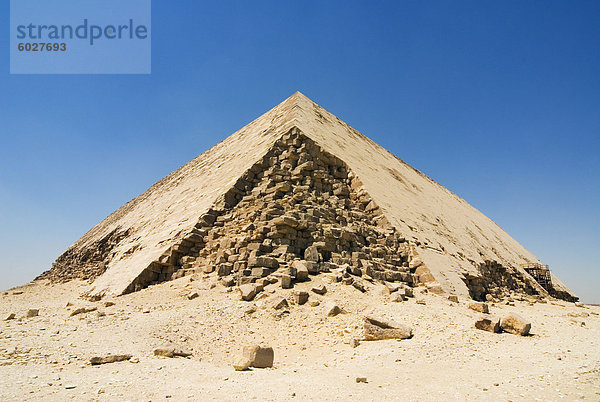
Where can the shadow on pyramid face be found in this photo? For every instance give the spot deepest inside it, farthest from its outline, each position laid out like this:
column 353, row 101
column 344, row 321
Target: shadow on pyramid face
column 297, row 203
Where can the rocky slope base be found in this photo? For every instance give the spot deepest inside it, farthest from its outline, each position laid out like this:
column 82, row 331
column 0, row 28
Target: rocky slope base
column 316, row 355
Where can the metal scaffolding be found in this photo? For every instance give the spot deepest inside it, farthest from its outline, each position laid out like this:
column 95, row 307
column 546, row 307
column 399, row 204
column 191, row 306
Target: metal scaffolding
column 541, row 273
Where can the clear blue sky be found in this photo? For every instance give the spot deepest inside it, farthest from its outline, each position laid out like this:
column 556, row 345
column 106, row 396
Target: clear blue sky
column 497, row 101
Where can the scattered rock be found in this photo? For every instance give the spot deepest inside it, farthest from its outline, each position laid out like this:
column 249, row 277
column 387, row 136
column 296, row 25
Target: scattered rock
column 281, row 304
column 489, row 324
column 32, row 313
column 192, row 295
column 250, row 309
column 392, row 287
column 453, row 298
column 397, row 297
column 378, row 329
column 301, row 270
column 421, row 301
column 248, row 291
column 83, row 310
column 109, row 359
column 108, row 304
column 228, row 281
column 361, row 380
column 300, row 297
column 279, row 314
column 515, row 324
column 172, row 351
column 241, row 363
column 315, row 303
column 263, row 282
column 354, row 342
column 332, row 309
column 359, row 285
column 11, row 316
column 258, row 356
column 286, row 281
column 480, row 307
column 319, row 289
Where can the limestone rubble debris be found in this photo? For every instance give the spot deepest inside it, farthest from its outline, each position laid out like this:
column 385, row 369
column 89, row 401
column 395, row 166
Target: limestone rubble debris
column 254, row 356
column 172, row 351
column 83, row 310
column 281, row 304
column 479, row 307
column 515, row 324
column 300, row 297
column 490, row 324
column 319, row 289
column 97, row 360
column 379, row 329
column 332, row 309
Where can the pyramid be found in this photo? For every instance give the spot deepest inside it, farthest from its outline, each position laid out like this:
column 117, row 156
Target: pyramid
column 299, row 191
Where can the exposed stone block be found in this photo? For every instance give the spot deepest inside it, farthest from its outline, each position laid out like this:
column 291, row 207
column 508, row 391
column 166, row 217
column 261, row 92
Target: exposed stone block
column 261, row 272
column 379, row 329
column 261, row 261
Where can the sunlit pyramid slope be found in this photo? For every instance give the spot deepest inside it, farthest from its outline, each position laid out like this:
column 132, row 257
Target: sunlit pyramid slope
column 300, row 192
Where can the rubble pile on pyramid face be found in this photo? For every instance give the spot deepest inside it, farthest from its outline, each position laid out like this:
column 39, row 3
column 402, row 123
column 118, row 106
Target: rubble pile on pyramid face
column 85, row 263
column 298, row 210
column 498, row 281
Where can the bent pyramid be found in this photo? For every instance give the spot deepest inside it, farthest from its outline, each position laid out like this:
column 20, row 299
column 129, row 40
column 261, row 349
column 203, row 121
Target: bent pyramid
column 298, row 189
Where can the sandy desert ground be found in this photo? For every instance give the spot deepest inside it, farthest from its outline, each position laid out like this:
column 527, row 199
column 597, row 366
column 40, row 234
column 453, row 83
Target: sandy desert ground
column 48, row 357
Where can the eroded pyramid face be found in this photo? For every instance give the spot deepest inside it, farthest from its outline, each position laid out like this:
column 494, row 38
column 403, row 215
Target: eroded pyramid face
column 300, row 192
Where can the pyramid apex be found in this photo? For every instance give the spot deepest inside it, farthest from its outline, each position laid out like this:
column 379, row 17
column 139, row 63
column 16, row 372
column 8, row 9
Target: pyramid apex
column 299, row 96
column 298, row 93
column 293, row 109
